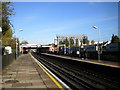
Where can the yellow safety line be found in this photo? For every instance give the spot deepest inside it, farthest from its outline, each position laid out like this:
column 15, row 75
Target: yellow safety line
column 53, row 79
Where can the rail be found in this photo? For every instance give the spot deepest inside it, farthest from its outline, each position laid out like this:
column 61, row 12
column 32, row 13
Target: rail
column 74, row 78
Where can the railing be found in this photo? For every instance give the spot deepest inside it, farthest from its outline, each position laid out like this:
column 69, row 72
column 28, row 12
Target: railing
column 8, row 59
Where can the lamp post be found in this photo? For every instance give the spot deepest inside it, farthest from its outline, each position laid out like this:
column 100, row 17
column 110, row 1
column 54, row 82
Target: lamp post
column 17, row 43
column 54, row 44
column 99, row 50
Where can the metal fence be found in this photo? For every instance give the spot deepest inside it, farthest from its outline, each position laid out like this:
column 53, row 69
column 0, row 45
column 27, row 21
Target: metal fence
column 8, row 59
column 105, row 55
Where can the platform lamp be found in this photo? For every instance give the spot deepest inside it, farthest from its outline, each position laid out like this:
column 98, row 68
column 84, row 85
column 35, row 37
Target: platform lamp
column 17, row 43
column 54, row 45
column 99, row 51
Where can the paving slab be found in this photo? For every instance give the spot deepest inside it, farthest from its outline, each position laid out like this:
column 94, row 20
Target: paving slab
column 25, row 73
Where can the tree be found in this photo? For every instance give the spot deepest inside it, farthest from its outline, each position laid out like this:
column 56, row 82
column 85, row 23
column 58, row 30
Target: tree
column 66, row 42
column 8, row 34
column 1, row 14
column 7, row 11
column 115, row 39
column 61, row 43
column 24, row 42
column 71, row 42
column 85, row 40
column 9, row 42
column 76, row 43
column 92, row 42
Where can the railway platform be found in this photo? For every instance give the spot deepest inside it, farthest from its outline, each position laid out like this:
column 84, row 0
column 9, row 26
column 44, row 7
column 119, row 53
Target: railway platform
column 25, row 73
column 98, row 62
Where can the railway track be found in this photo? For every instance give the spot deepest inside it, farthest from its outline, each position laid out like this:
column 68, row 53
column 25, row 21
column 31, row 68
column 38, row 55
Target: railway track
column 76, row 77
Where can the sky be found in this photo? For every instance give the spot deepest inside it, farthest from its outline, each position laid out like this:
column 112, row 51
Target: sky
column 42, row 21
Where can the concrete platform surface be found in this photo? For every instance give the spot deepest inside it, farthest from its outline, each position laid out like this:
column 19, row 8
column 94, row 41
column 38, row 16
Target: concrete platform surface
column 26, row 74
